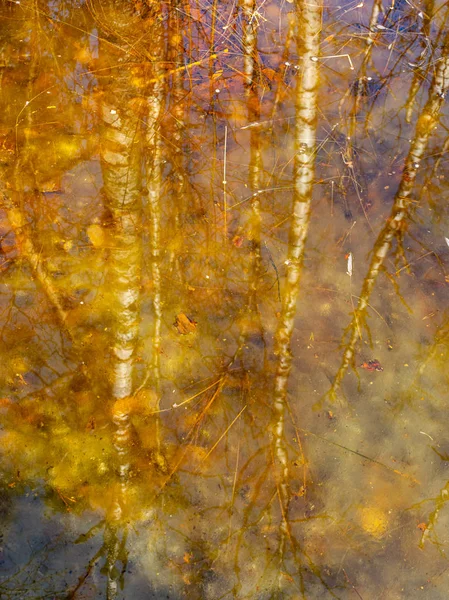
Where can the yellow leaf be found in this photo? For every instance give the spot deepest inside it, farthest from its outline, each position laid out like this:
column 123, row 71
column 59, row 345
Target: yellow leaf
column 97, row 235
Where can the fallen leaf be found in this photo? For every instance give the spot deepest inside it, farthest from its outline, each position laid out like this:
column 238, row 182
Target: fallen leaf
column 184, row 324
column 237, row 240
column 372, row 365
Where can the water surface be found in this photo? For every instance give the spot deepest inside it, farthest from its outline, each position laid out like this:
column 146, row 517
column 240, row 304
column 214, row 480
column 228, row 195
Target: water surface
column 224, row 324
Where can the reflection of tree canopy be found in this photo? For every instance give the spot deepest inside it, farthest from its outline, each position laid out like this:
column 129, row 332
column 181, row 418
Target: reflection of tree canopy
column 168, row 172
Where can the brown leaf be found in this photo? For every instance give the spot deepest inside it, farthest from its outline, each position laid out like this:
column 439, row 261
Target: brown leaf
column 184, row 324
column 237, row 240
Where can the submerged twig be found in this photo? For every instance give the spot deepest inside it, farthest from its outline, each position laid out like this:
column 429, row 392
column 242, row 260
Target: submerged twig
column 273, row 264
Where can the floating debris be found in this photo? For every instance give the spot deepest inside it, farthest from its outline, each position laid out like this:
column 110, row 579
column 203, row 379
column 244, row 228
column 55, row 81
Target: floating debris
column 184, row 324
column 372, row 365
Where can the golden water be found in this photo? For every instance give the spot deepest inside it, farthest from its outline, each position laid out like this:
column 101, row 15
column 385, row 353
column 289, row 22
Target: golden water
column 224, row 287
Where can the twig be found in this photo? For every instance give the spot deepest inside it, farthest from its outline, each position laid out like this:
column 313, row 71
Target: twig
column 357, row 453
column 316, row 58
column 225, row 202
column 276, row 270
column 222, row 436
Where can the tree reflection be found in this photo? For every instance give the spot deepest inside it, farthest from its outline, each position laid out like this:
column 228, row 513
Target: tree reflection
column 396, row 223
column 174, row 293
column 308, row 42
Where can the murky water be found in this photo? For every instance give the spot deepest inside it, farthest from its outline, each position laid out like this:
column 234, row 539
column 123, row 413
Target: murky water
column 224, row 323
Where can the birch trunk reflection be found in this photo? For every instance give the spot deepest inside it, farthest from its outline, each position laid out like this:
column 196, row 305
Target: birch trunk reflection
column 395, row 223
column 121, row 166
column 121, row 139
column 308, row 46
column 177, row 94
column 251, row 69
column 251, row 66
column 153, row 167
column 252, row 327
column 419, row 65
